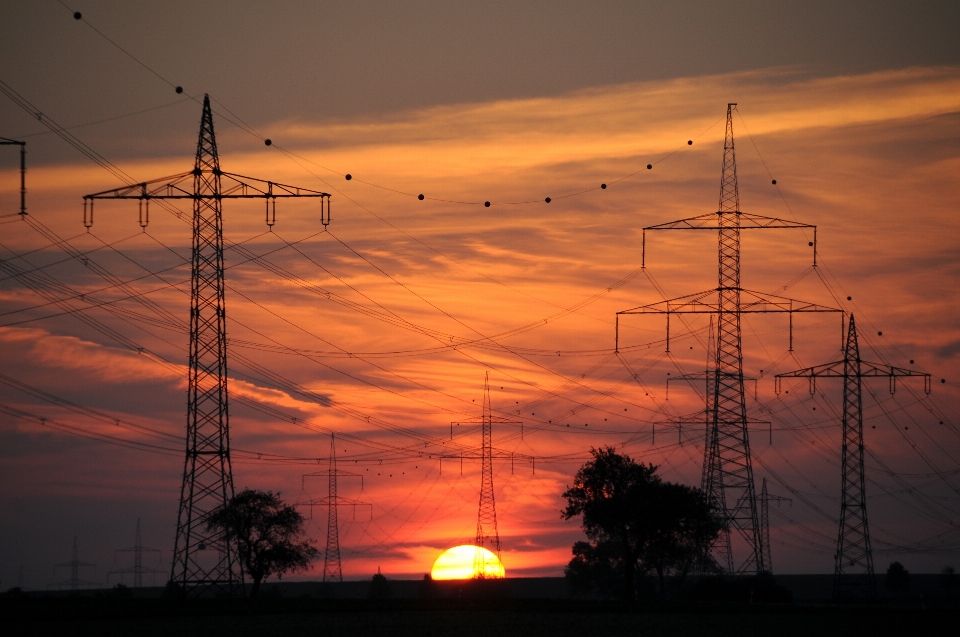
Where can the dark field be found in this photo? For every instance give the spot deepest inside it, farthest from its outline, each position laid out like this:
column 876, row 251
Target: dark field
column 489, row 617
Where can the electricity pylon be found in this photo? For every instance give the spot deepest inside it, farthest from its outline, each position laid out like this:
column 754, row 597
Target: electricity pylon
column 853, row 575
column 332, row 569
column 765, row 500
column 23, row 171
column 207, row 476
column 488, row 536
column 137, row 570
column 75, row 565
column 728, row 470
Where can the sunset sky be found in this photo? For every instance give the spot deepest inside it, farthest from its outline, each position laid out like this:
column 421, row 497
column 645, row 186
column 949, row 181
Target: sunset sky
column 381, row 329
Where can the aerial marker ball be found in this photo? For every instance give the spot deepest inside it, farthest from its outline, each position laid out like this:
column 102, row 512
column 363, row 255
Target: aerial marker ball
column 649, row 166
column 486, row 204
column 268, row 142
column 179, row 90
column 77, row 15
column 420, row 197
column 603, row 186
column 689, row 142
column 547, row 199
column 348, row 176
column 774, row 182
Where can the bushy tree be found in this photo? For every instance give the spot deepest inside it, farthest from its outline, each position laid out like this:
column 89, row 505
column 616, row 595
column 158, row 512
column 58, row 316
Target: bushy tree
column 265, row 532
column 898, row 578
column 637, row 521
column 379, row 586
column 595, row 566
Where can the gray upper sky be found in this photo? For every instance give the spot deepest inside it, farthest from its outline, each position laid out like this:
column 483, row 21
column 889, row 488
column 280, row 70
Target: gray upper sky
column 321, row 60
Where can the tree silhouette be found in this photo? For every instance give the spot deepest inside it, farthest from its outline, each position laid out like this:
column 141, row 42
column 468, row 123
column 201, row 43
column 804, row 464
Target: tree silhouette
column 379, row 586
column 265, row 532
column 636, row 521
column 898, row 578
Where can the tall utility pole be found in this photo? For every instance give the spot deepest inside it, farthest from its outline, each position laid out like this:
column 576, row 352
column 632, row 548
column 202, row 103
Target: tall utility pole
column 332, row 569
column 75, row 565
column 728, row 469
column 204, row 562
column 853, row 575
column 765, row 500
column 488, row 536
column 137, row 570
column 23, row 171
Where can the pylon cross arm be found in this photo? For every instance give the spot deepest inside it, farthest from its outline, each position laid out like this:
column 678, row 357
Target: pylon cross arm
column 748, row 221
column 751, row 302
column 232, row 186
column 867, row 370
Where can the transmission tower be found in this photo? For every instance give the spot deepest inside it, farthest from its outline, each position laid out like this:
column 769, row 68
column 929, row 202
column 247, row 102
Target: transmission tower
column 488, row 536
column 765, row 500
column 137, row 570
column 853, row 575
column 23, row 171
column 75, row 565
column 204, row 562
column 332, row 570
column 728, row 471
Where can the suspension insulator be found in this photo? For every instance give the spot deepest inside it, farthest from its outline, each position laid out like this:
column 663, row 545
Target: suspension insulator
column 144, row 212
column 325, row 216
column 271, row 211
column 87, row 213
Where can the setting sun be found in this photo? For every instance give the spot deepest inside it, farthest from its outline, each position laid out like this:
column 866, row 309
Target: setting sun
column 467, row 562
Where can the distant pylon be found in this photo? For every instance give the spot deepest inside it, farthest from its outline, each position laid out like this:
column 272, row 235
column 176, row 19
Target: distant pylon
column 204, row 561
column 728, row 469
column 138, row 549
column 853, row 568
column 75, row 565
column 488, row 536
column 765, row 500
column 332, row 568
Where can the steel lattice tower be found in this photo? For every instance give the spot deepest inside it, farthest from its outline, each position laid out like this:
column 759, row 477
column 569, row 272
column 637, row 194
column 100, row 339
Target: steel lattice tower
column 75, row 565
column 332, row 569
column 137, row 570
column 204, row 561
column 207, row 473
column 853, row 570
column 331, row 556
column 728, row 470
column 488, row 536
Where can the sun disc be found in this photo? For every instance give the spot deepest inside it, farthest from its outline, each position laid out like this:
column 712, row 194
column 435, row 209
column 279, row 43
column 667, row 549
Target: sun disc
column 467, row 562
